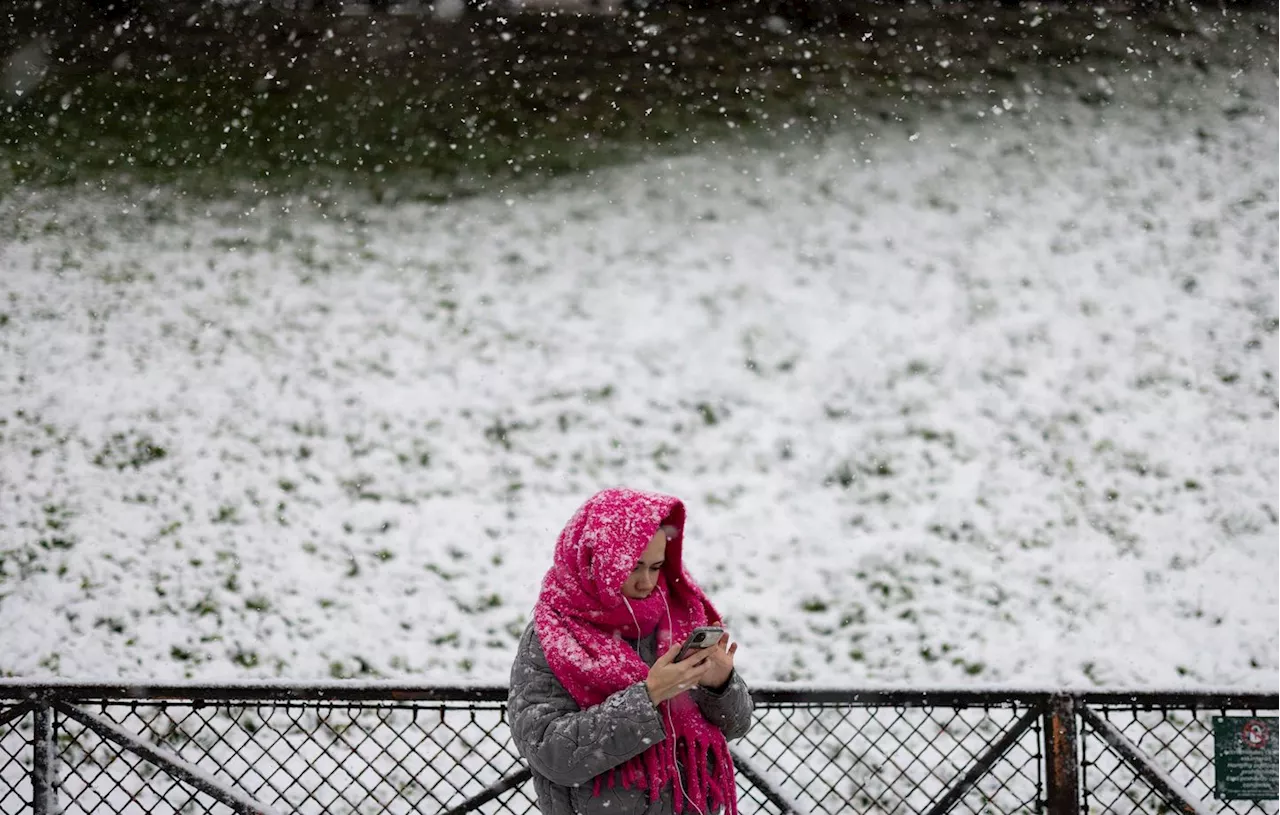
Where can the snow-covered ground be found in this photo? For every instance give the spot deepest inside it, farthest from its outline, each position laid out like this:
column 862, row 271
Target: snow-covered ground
column 985, row 399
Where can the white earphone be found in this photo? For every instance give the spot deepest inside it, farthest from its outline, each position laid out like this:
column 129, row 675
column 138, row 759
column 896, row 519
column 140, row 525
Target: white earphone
column 671, row 723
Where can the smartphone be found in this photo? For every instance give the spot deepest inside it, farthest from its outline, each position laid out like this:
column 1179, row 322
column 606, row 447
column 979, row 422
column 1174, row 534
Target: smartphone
column 704, row 636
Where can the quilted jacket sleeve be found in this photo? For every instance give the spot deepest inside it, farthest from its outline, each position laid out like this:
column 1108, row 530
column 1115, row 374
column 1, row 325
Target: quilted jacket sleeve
column 729, row 709
column 565, row 744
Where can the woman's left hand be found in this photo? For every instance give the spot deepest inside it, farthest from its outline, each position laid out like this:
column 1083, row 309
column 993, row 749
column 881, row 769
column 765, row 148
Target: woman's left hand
column 721, row 661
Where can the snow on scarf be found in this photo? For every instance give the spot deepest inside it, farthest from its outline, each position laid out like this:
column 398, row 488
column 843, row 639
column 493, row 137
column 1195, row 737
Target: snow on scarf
column 581, row 618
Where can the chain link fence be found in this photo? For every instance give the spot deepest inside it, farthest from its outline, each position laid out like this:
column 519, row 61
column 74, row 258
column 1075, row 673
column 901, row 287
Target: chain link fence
column 377, row 748
column 1179, row 739
column 892, row 758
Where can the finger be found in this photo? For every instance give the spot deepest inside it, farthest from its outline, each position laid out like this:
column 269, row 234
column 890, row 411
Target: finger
column 733, row 649
column 690, row 658
column 698, row 662
column 691, row 678
column 669, row 656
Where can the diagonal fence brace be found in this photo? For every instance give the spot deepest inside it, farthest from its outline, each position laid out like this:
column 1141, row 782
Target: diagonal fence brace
column 16, row 712
column 1172, row 792
column 178, row 767
column 984, row 763
column 494, row 790
column 766, row 787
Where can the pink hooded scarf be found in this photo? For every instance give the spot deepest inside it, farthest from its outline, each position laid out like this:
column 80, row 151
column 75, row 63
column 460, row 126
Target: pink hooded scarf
column 582, row 617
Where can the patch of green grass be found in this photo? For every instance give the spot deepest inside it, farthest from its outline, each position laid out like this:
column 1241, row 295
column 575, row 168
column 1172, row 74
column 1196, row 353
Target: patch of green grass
column 204, row 606
column 814, row 605
column 357, row 666
column 663, row 455
column 357, row 488
column 123, row 451
column 31, row 555
column 843, row 476
column 943, row 437
column 439, row 572
column 112, row 624
column 500, row 431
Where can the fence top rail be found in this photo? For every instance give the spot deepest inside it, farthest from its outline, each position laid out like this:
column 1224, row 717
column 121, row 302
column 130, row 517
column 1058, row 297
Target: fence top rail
column 19, row 690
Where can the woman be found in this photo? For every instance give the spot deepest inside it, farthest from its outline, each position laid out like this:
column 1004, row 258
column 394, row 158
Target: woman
column 608, row 721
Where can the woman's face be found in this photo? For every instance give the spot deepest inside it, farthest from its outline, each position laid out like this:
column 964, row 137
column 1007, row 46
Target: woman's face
column 644, row 577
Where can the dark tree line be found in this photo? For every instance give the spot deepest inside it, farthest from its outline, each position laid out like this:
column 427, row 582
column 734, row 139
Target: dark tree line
column 90, row 11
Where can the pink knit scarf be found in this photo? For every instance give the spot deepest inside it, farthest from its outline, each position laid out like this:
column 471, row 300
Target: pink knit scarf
column 582, row 618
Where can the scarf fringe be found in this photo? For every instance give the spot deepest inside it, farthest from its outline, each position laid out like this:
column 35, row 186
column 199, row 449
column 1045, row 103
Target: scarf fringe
column 650, row 770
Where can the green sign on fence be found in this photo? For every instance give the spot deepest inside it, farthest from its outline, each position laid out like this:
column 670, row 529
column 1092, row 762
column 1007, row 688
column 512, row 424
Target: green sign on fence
column 1245, row 759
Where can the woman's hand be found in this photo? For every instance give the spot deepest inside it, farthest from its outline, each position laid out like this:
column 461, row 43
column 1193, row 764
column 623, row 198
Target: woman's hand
column 721, row 658
column 668, row 679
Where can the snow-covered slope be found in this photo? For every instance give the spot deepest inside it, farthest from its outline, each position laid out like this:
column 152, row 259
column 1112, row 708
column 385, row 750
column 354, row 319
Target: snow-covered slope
column 990, row 398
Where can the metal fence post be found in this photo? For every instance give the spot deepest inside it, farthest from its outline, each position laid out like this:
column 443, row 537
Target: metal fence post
column 44, row 798
column 1061, row 739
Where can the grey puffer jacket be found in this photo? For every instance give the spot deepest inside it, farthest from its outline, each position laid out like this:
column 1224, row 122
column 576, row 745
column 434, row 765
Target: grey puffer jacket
column 567, row 747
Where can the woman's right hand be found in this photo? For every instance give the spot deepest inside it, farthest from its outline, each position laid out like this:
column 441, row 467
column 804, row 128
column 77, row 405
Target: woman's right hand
column 668, row 679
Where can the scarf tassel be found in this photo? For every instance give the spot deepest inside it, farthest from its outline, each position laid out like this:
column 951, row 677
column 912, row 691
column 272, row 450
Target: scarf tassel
column 649, row 770
column 715, row 790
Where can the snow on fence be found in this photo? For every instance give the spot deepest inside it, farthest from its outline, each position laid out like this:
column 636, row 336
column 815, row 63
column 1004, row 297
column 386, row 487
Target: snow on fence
column 387, row 748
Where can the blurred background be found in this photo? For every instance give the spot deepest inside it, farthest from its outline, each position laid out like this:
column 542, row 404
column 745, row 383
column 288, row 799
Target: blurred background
column 418, row 98
column 953, row 323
